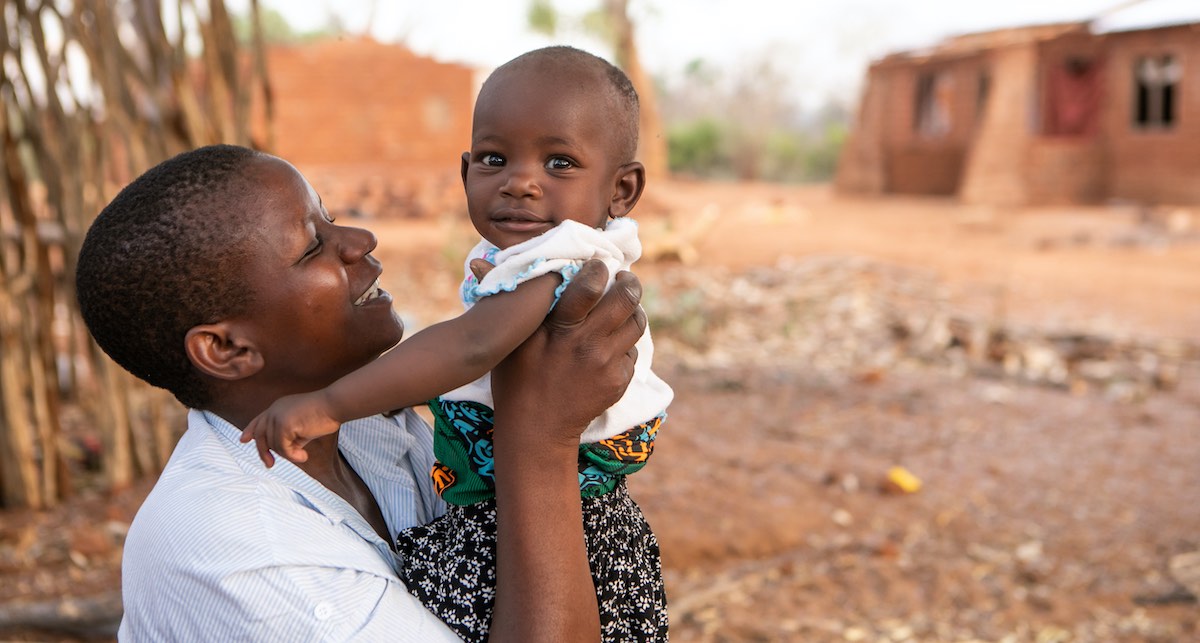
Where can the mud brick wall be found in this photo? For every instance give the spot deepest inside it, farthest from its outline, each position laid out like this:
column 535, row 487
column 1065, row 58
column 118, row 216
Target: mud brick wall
column 1154, row 165
column 1065, row 170
column 358, row 102
column 997, row 168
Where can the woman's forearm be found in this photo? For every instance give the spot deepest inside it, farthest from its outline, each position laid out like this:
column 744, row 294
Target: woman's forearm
column 544, row 585
column 571, row 369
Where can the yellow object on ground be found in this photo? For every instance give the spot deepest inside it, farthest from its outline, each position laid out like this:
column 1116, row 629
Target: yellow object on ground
column 903, row 480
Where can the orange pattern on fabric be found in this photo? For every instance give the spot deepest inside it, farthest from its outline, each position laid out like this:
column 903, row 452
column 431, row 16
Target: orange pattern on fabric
column 443, row 477
column 635, row 445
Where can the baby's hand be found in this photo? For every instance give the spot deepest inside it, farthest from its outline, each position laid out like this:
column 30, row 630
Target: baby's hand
column 289, row 424
column 480, row 268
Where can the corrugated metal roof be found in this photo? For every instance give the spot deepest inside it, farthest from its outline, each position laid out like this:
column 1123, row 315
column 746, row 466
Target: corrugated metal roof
column 1147, row 14
column 1127, row 15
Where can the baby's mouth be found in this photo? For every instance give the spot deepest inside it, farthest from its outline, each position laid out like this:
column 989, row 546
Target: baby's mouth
column 372, row 293
column 519, row 223
column 516, row 216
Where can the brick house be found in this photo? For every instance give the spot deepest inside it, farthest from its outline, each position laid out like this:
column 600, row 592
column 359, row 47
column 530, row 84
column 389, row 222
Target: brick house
column 1059, row 113
column 377, row 129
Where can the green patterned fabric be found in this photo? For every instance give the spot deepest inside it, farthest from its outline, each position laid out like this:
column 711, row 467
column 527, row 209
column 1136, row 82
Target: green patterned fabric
column 464, row 473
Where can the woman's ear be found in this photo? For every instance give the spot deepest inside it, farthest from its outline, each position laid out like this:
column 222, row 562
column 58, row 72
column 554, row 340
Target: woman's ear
column 220, row 351
column 629, row 182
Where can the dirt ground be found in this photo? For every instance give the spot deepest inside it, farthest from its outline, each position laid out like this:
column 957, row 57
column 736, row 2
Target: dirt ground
column 895, row 420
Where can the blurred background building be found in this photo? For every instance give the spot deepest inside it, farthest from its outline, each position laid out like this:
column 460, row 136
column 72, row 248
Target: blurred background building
column 355, row 101
column 1055, row 113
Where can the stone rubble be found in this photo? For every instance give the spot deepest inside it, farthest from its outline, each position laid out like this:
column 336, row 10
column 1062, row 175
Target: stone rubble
column 852, row 317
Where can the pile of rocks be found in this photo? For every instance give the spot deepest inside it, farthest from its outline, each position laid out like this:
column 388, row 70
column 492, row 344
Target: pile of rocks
column 853, row 317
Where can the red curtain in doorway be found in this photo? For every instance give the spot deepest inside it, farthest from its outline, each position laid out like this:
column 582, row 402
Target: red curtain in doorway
column 1073, row 96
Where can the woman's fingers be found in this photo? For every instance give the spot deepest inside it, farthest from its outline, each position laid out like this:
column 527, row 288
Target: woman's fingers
column 580, row 296
column 626, row 297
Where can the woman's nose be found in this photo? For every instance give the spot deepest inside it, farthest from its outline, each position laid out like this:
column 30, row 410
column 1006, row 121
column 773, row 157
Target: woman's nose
column 356, row 243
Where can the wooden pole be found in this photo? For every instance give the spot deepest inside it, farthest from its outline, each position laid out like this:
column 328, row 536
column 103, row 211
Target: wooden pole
column 68, row 143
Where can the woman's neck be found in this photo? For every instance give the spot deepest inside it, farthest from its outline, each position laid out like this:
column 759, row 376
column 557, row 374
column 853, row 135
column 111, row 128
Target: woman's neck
column 325, row 463
column 328, row 466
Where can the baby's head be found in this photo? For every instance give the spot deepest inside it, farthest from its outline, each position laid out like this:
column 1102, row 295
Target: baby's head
column 158, row 260
column 554, row 135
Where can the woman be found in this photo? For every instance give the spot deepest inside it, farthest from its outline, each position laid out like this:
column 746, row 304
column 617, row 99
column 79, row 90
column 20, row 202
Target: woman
column 219, row 276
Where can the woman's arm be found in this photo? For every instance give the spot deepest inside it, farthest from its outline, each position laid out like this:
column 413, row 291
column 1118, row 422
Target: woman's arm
column 574, row 366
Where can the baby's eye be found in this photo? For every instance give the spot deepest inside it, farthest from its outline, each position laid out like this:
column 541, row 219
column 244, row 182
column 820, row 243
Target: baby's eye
column 559, row 163
column 494, row 160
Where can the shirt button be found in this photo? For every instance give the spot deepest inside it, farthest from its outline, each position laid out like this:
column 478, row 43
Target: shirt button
column 323, row 611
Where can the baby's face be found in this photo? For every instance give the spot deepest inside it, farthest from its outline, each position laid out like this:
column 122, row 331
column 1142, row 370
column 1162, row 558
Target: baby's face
column 541, row 153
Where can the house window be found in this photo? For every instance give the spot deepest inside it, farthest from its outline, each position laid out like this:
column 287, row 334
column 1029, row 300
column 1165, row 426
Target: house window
column 932, row 116
column 1156, row 83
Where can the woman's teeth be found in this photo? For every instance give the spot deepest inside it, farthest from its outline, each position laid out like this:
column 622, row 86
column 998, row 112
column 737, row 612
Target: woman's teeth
column 371, row 293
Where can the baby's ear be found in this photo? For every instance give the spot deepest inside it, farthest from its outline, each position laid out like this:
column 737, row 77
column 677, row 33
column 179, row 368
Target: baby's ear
column 628, row 183
column 221, row 351
column 466, row 163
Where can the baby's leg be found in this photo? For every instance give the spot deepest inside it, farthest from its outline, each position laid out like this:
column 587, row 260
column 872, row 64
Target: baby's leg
column 450, row 566
column 624, row 557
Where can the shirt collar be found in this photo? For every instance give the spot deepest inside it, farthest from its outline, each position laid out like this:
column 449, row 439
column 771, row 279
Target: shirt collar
column 320, row 498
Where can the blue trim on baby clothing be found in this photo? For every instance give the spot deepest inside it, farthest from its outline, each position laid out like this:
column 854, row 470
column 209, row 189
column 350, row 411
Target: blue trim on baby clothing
column 472, row 293
column 475, row 293
column 568, row 273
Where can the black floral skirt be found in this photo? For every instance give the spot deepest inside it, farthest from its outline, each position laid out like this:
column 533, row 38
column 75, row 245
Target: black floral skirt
column 450, row 566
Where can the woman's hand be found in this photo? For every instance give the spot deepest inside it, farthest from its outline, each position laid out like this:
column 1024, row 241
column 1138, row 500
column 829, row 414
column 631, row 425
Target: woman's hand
column 581, row 359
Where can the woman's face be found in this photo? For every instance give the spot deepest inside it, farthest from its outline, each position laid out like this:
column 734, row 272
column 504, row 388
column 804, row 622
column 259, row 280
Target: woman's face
column 317, row 310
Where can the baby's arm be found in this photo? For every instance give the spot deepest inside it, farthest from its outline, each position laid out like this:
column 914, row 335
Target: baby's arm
column 448, row 354
column 438, row 359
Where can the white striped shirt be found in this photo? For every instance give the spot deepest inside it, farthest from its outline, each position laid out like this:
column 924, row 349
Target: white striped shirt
column 224, row 549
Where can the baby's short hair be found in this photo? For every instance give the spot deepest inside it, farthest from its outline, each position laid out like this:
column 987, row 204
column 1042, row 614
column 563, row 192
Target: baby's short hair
column 622, row 89
column 163, row 257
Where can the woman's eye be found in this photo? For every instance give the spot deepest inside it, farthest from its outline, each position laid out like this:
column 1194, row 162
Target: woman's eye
column 559, row 163
column 315, row 248
column 494, row 160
